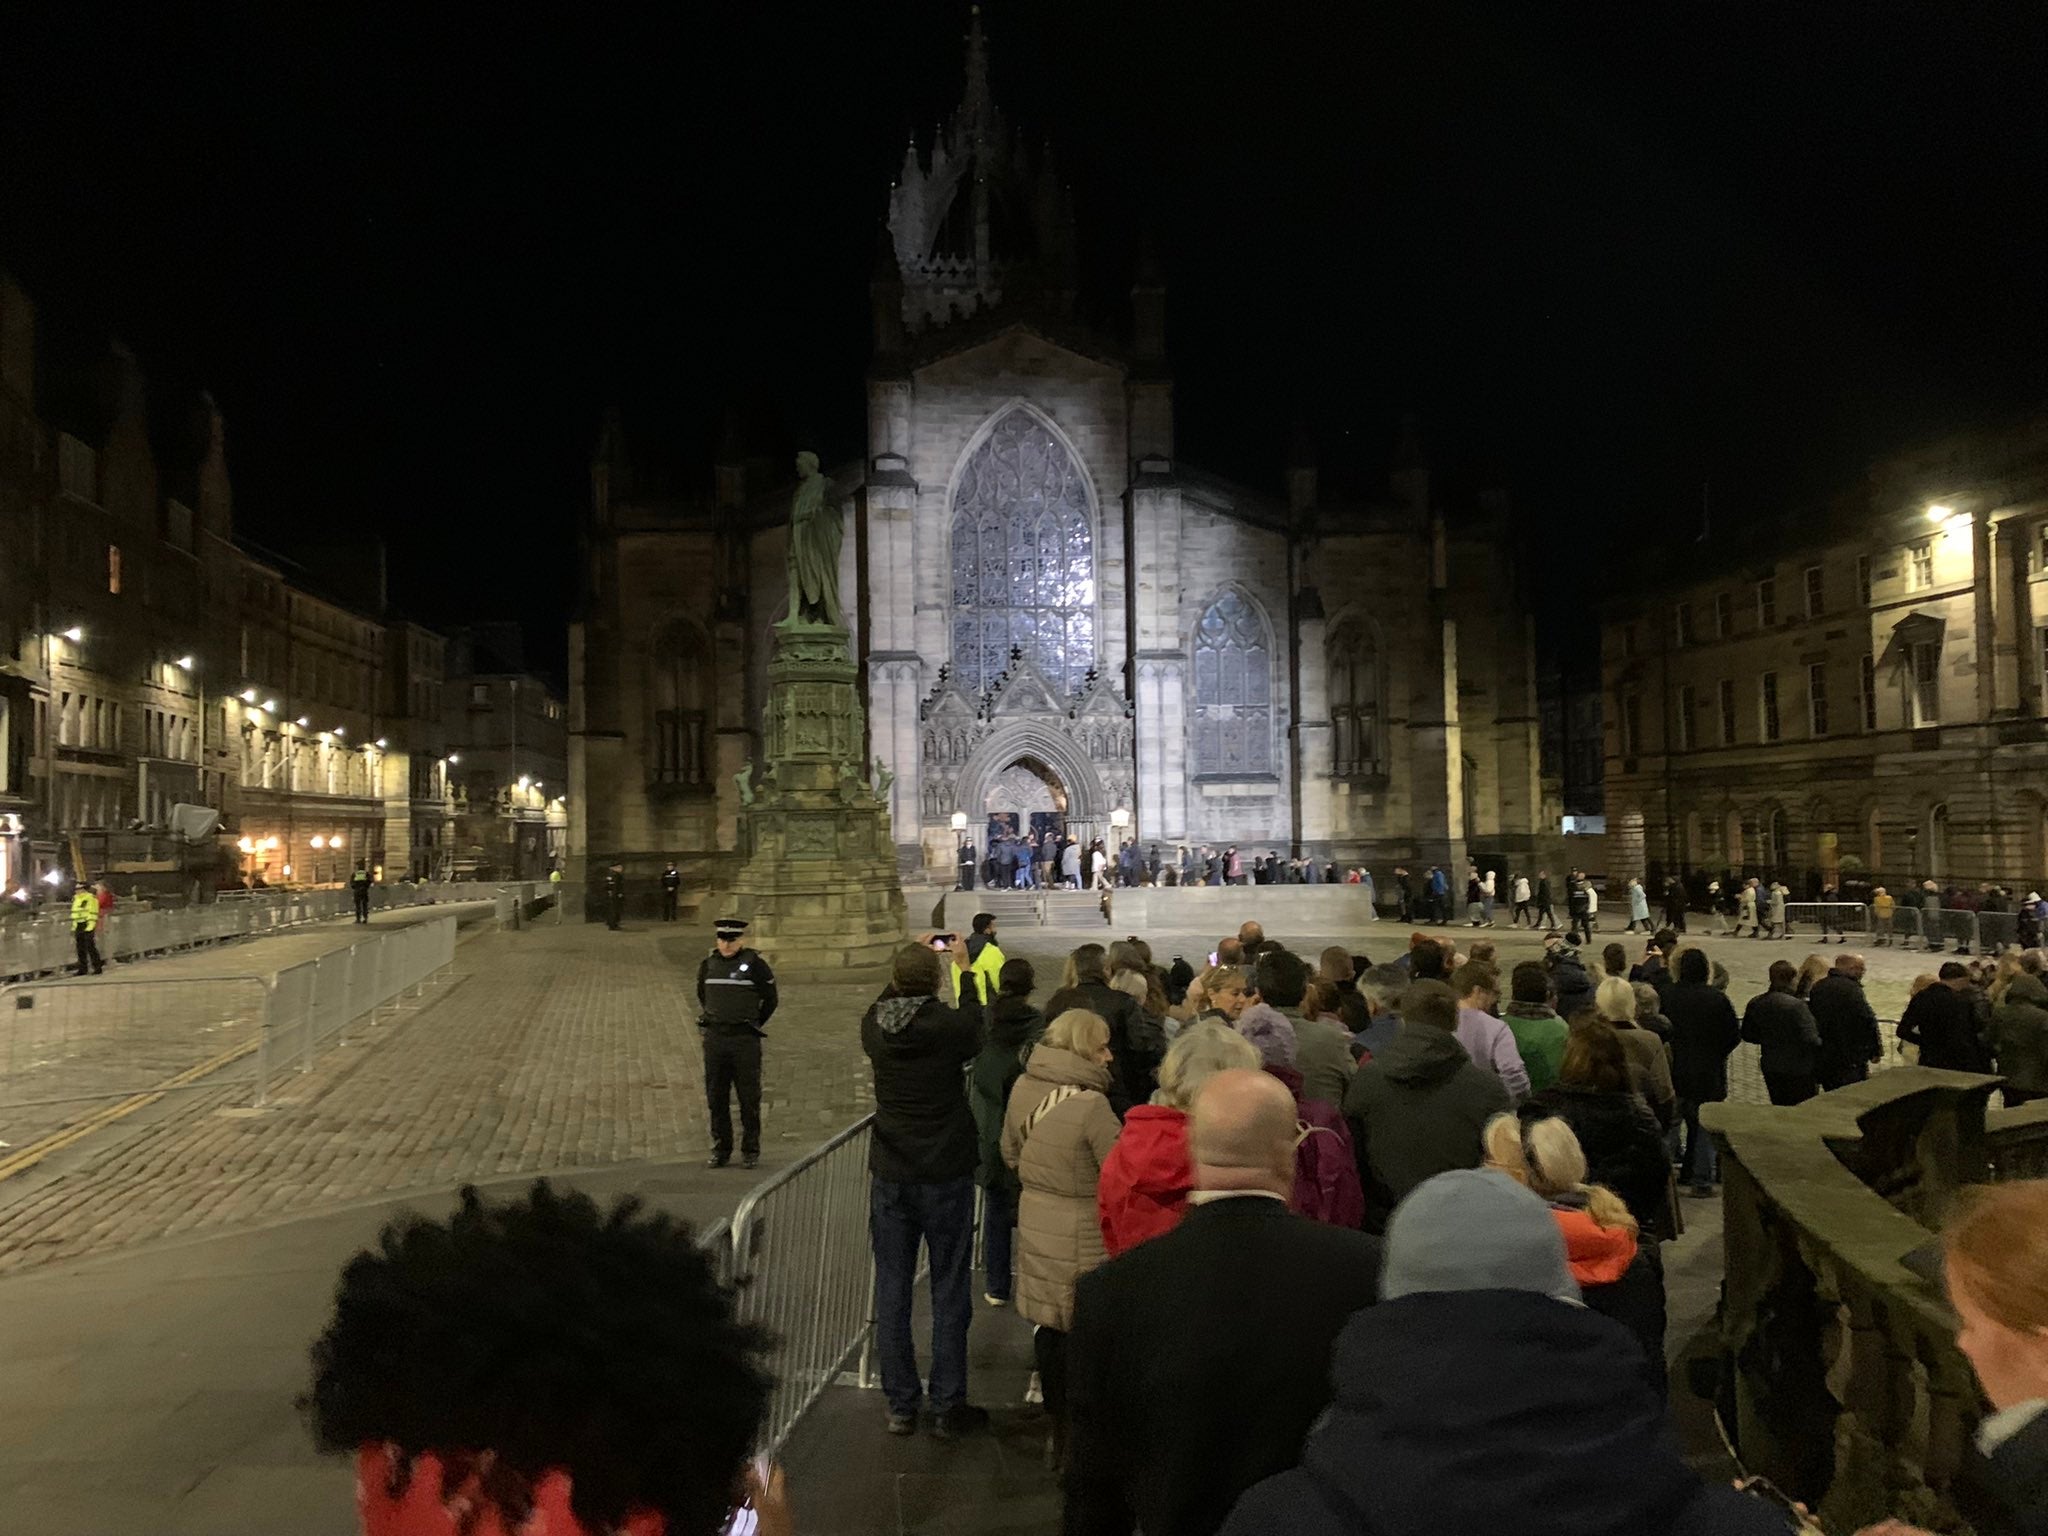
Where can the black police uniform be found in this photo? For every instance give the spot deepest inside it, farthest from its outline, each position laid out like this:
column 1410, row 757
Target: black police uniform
column 359, row 888
column 671, row 882
column 737, row 996
column 614, row 897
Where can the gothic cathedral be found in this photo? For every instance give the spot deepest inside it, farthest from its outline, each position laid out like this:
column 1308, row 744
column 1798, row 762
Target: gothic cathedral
column 1058, row 620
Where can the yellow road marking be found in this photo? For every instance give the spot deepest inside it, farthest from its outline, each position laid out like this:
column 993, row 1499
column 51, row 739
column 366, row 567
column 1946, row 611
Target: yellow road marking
column 28, row 1156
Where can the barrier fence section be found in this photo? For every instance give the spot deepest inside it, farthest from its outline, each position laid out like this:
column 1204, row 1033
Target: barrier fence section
column 801, row 1255
column 76, row 1039
column 317, row 1000
column 44, row 945
column 1840, row 918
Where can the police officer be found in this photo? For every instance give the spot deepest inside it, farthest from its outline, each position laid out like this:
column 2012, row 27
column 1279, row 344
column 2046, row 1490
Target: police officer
column 85, row 924
column 359, row 888
column 736, row 991
column 614, row 895
column 671, row 883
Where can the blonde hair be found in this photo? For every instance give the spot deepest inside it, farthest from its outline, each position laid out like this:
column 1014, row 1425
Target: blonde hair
column 1197, row 1054
column 1079, row 1031
column 2010, row 964
column 1815, row 967
column 1996, row 1245
column 1544, row 1155
column 1921, row 983
column 1615, row 1001
column 1226, row 978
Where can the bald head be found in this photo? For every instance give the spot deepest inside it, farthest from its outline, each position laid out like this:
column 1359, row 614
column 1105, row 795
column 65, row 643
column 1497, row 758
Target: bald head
column 1850, row 965
column 1250, row 935
column 1242, row 1133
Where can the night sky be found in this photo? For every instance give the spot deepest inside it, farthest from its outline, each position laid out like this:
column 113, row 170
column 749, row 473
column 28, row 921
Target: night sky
column 1618, row 258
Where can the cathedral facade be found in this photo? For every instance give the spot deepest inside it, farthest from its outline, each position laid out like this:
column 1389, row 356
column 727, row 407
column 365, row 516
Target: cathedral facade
column 1058, row 619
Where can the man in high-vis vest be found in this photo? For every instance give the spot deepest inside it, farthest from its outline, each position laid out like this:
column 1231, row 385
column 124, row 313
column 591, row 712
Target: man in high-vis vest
column 85, row 926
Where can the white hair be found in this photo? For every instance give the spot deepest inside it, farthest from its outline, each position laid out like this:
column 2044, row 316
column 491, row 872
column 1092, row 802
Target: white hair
column 1197, row 1054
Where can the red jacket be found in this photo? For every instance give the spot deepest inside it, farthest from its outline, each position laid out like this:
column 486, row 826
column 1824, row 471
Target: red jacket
column 1143, row 1190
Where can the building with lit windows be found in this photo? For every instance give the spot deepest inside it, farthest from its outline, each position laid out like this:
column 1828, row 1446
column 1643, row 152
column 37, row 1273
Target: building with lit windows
column 1857, row 697
column 508, row 769
column 153, row 671
column 1059, row 620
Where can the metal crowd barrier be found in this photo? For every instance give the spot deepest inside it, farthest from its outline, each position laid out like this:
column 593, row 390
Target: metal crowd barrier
column 318, row 1000
column 1837, row 917
column 43, row 945
column 109, row 1037
column 801, row 1255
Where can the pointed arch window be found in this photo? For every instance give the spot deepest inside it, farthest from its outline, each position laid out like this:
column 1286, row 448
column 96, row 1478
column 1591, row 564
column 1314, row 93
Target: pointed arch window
column 681, row 696
column 1233, row 689
column 1023, row 558
column 1354, row 669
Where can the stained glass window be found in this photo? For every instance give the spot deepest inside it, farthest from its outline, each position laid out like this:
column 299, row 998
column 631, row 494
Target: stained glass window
column 1023, row 558
column 1233, row 689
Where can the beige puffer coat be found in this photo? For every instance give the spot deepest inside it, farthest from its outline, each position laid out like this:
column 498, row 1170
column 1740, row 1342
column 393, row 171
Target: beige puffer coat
column 1059, row 1159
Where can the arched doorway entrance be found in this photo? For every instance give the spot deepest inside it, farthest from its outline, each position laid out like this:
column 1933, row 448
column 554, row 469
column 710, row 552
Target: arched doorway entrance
column 1024, row 818
column 1026, row 769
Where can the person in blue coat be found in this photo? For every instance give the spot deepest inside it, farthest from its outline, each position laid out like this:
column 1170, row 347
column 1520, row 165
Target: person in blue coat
column 1482, row 1396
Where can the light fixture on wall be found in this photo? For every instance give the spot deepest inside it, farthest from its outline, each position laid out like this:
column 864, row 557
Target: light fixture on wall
column 1120, row 818
column 184, row 663
column 959, row 821
column 74, row 634
column 319, row 841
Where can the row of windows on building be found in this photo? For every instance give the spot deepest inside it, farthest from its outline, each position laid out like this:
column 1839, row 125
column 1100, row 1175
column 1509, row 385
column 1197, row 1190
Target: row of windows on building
column 1923, row 703
column 1720, row 614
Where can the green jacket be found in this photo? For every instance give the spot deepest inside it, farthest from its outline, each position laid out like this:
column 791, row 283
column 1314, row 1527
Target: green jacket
column 1540, row 1036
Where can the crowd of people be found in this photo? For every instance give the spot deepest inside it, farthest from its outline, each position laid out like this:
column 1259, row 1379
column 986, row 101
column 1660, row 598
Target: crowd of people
column 1411, row 1210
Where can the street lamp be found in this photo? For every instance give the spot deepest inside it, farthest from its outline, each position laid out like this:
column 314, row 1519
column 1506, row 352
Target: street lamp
column 74, row 634
column 184, row 663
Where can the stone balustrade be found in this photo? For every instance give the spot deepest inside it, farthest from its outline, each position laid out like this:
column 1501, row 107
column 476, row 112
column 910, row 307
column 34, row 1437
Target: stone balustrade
column 1840, row 1378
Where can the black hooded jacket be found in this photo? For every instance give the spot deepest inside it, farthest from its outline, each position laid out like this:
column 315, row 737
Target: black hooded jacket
column 1471, row 1413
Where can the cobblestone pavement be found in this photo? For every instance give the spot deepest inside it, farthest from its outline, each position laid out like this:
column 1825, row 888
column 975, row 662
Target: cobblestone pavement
column 561, row 1047
column 67, row 1048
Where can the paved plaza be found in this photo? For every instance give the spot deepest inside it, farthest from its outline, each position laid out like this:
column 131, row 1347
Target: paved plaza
column 165, row 1273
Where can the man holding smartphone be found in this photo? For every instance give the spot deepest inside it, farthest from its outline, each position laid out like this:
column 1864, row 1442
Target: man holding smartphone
column 736, row 991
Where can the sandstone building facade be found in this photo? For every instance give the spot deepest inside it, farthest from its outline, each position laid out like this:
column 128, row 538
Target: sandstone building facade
column 1058, row 617
column 1859, row 698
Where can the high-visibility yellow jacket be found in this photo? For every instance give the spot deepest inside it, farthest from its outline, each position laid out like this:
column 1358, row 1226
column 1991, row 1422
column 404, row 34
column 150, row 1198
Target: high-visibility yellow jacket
column 987, row 968
column 85, row 910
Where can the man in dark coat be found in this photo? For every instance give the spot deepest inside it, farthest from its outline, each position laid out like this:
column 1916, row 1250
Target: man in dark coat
column 1241, row 1292
column 1703, row 1033
column 1136, row 1043
column 1419, row 1106
column 1943, row 1021
column 1479, row 1395
column 1849, row 1041
column 921, row 1166
column 1783, row 1025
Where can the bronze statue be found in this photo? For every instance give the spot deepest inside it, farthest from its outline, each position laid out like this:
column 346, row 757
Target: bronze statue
column 815, row 530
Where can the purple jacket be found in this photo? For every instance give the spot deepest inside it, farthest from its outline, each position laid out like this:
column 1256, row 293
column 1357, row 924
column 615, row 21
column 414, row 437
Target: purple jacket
column 1492, row 1044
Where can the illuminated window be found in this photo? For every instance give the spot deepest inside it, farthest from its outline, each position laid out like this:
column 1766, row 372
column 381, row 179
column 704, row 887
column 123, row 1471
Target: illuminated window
column 1233, row 689
column 1920, row 566
column 1925, row 692
column 1023, row 559
column 114, row 569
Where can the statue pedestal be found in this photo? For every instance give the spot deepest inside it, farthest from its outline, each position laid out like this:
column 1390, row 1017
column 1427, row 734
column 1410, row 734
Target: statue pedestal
column 819, row 888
